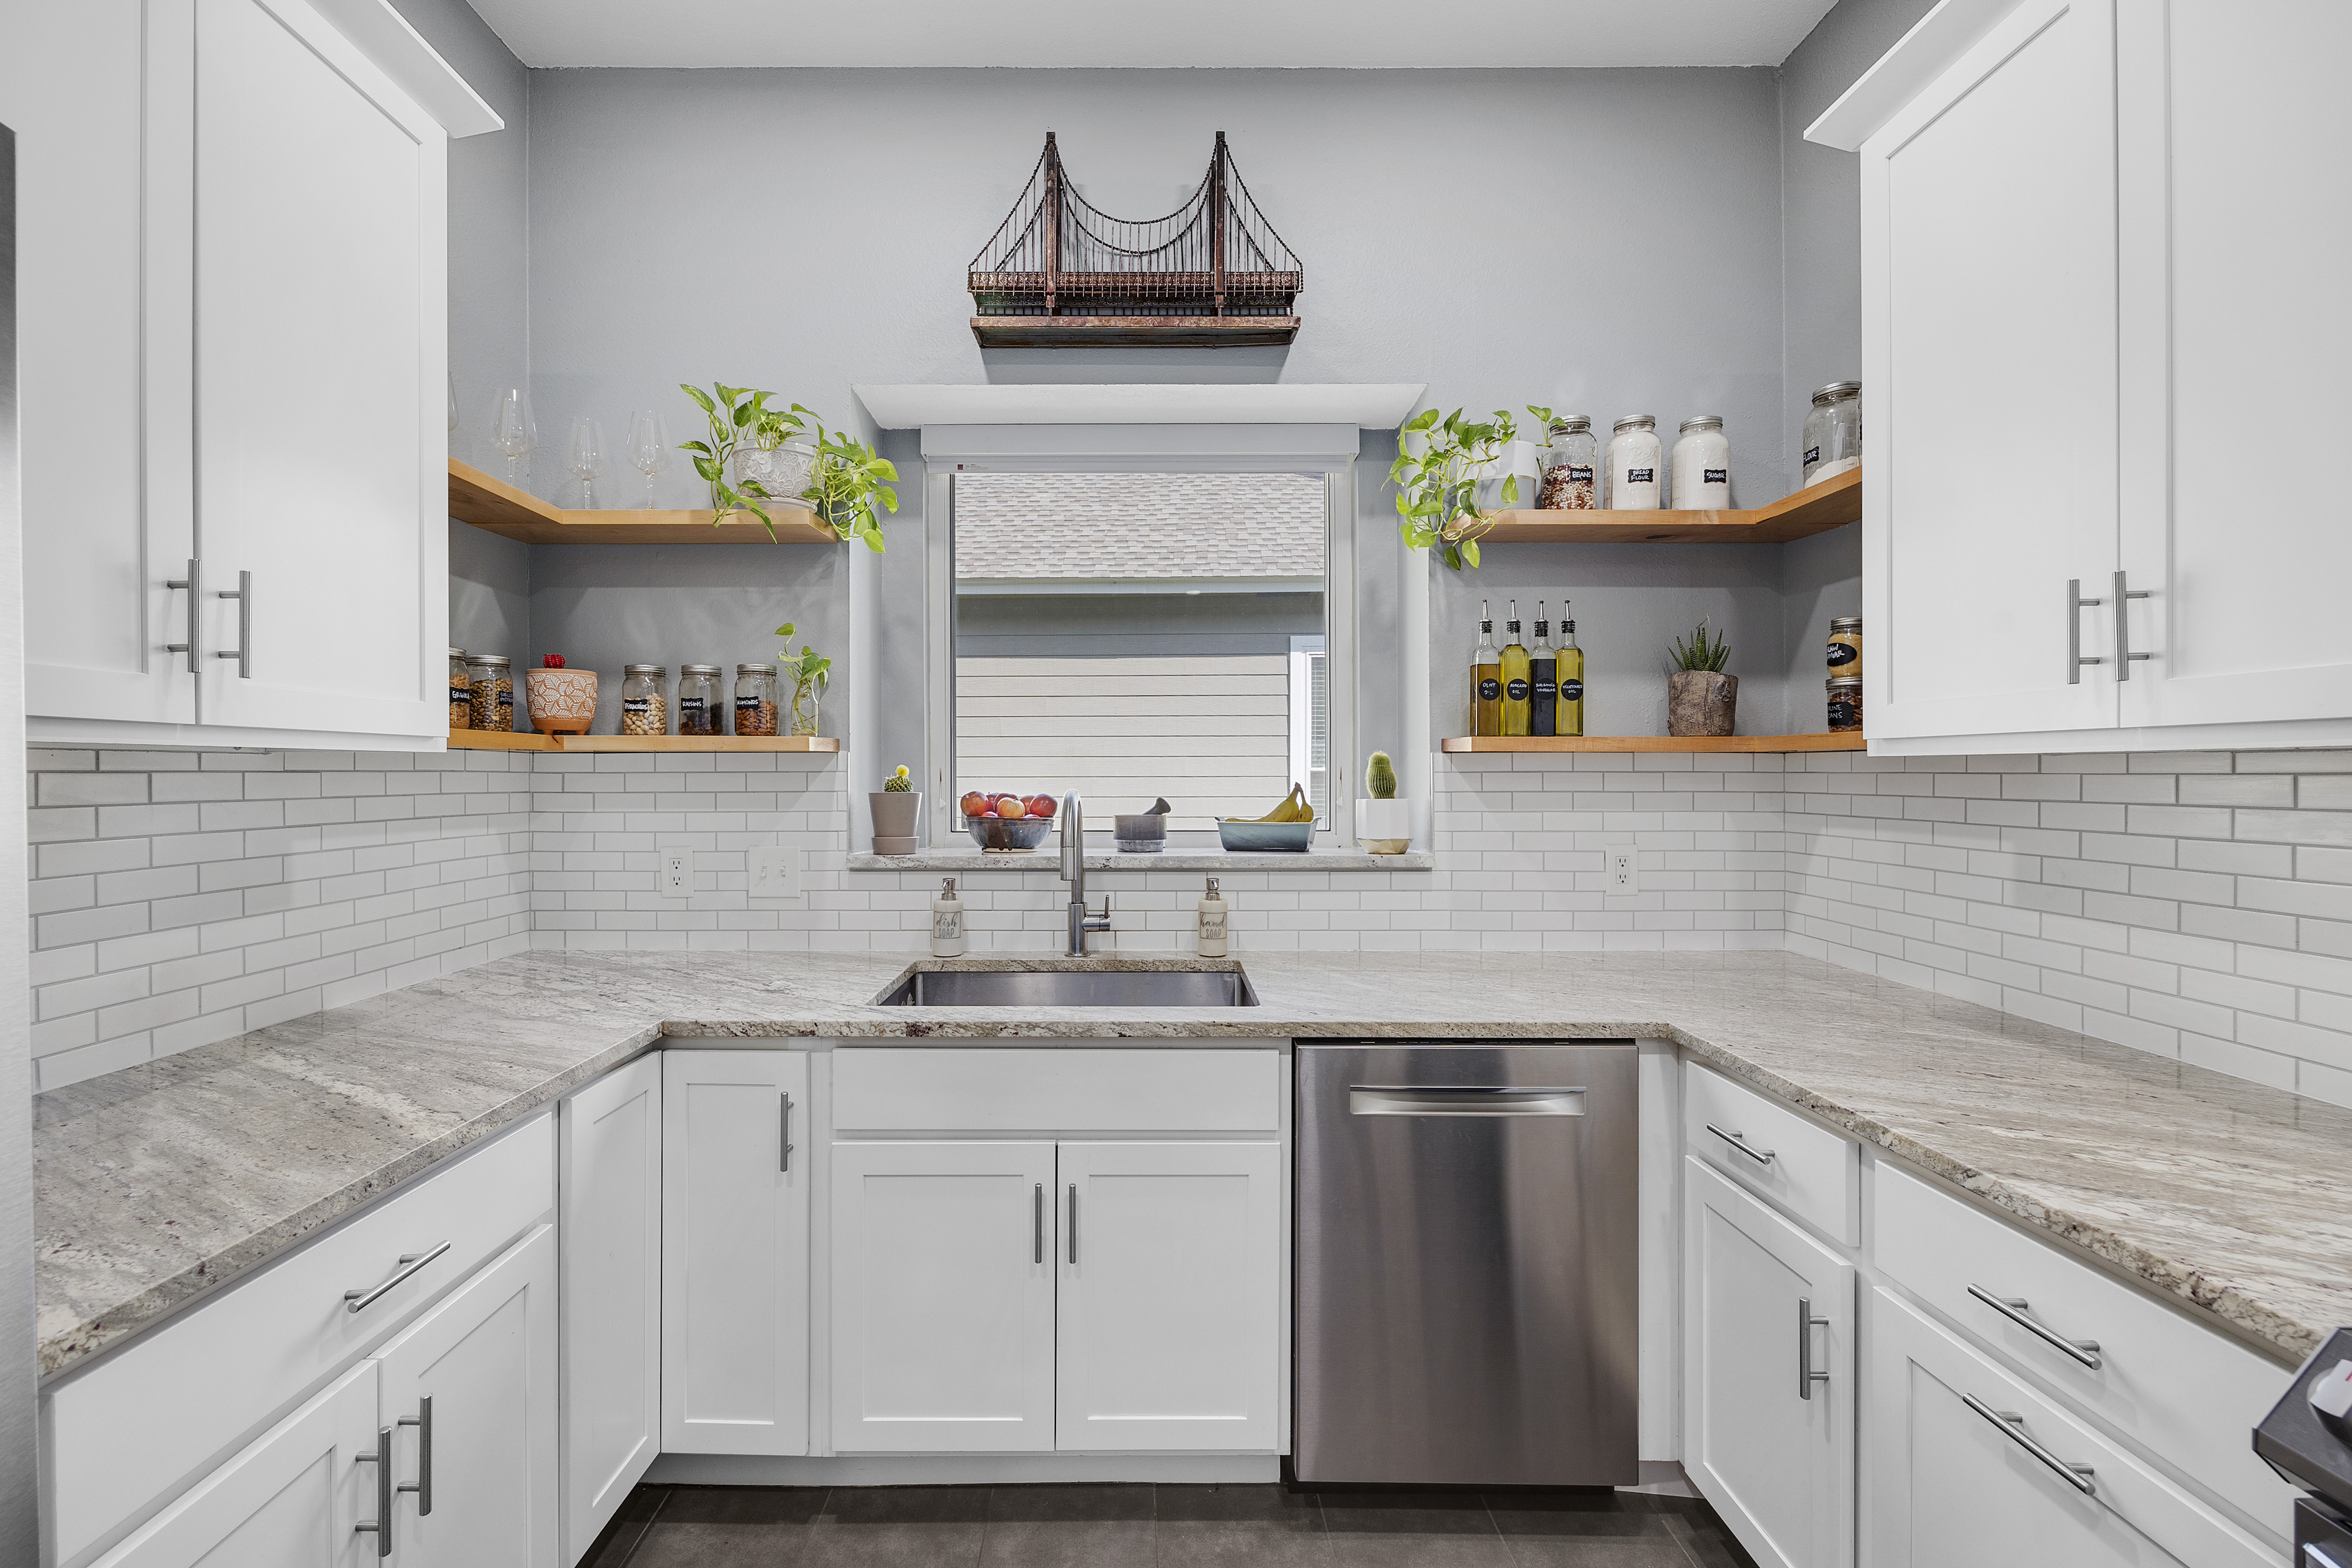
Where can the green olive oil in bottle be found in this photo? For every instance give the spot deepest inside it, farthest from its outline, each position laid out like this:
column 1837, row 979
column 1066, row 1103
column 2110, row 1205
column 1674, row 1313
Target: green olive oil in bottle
column 1571, row 659
column 1485, row 679
column 1519, row 685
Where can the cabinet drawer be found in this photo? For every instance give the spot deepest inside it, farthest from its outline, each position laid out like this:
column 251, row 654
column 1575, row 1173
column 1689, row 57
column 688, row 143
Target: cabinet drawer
column 144, row 1423
column 1811, row 1171
column 1145, row 1090
column 2189, row 1395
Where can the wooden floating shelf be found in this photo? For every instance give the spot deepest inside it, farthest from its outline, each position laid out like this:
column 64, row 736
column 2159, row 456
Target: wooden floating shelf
column 1133, row 331
column 1559, row 743
column 492, row 740
column 1832, row 504
column 498, row 508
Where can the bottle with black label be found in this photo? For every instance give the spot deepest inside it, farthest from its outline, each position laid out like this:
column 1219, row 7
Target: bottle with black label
column 1543, row 670
column 1518, row 688
column 1485, row 679
column 1570, row 719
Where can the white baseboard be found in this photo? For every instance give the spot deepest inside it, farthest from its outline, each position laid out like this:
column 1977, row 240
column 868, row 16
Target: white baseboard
column 961, row 1469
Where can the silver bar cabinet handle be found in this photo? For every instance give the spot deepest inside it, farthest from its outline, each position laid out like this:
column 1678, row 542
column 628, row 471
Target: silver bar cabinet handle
column 1739, row 1141
column 244, row 597
column 381, row 1526
column 784, row 1135
column 2014, row 1308
column 1806, row 1324
column 1074, row 1222
column 410, row 1262
column 422, row 1422
column 192, row 583
column 2075, row 605
column 2124, row 655
column 2012, row 1426
column 2313, row 1557
column 1037, row 1225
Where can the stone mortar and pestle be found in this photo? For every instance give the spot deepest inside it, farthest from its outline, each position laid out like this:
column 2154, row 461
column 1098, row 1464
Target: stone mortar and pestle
column 1143, row 832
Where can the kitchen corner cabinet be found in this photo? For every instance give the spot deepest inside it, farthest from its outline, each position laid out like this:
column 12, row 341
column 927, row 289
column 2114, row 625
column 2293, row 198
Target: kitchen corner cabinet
column 735, row 1157
column 2088, row 243
column 232, row 377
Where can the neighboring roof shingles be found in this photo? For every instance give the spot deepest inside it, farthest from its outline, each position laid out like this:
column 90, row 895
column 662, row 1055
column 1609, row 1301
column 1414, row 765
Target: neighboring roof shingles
column 1056, row 526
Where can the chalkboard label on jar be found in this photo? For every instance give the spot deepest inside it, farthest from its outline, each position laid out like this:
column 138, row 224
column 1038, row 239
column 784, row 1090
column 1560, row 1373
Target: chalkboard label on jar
column 1812, row 455
column 636, row 705
column 1715, row 475
column 747, row 705
column 506, row 696
column 1641, row 476
column 1518, row 691
column 1842, row 654
column 1842, row 716
column 1489, row 689
column 1571, row 691
column 1577, row 475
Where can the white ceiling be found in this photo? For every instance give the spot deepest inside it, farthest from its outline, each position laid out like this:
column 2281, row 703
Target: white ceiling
column 1352, row 34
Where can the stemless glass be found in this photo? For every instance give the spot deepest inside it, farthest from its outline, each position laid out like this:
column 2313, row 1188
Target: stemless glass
column 584, row 458
column 514, row 431
column 649, row 447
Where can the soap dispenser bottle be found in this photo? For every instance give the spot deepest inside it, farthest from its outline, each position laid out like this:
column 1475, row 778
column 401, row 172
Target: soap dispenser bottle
column 947, row 923
column 1212, row 923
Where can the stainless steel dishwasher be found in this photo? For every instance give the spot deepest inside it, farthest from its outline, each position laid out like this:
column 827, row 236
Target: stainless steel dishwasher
column 1467, row 1298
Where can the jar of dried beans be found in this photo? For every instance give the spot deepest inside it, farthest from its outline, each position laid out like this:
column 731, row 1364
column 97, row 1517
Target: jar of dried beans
column 701, row 709
column 1571, row 455
column 461, row 691
column 755, row 699
column 644, row 699
column 489, row 693
column 1845, row 705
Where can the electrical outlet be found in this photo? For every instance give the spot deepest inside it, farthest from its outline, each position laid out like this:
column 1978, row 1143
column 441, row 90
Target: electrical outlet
column 1624, row 870
column 676, row 873
column 776, row 870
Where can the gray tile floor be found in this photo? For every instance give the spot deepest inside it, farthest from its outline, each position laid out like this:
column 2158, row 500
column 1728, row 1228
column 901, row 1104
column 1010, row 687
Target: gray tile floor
column 1122, row 1526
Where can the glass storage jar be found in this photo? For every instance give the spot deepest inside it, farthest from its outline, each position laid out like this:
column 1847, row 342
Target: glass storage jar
column 461, row 691
column 644, row 699
column 1845, row 645
column 1845, row 704
column 755, row 699
column 1832, row 442
column 489, row 693
column 1634, row 456
column 701, row 709
column 1702, row 465
column 1571, row 455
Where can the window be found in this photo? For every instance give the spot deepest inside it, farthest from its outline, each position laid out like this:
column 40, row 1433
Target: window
column 1140, row 635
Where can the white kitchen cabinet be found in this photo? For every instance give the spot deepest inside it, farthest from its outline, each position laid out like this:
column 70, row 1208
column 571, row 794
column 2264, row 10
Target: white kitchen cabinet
column 1169, row 1310
column 735, row 1251
column 293, row 1497
column 611, row 1182
column 468, row 1392
column 1768, row 1377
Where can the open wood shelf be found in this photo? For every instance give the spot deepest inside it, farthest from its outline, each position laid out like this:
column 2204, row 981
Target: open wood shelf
column 1653, row 743
column 1133, row 331
column 1832, row 504
column 492, row 740
column 498, row 508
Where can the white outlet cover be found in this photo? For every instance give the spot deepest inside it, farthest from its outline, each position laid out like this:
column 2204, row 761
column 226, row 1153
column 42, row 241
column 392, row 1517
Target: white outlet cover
column 676, row 873
column 1624, row 870
column 776, row 870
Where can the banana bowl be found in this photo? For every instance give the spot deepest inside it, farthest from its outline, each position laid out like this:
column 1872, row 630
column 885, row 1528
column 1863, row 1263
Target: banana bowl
column 1243, row 837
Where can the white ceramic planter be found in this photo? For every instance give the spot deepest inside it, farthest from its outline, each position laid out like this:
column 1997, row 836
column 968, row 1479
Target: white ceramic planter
column 1384, row 826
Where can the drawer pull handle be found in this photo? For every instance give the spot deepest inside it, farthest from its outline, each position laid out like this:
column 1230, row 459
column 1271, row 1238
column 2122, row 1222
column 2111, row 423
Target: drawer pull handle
column 422, row 1422
column 1806, row 1324
column 410, row 1262
column 2086, row 1351
column 2313, row 1557
column 1739, row 1141
column 381, row 1526
column 1074, row 1223
column 193, row 583
column 2012, row 1426
column 1037, row 1225
column 784, row 1135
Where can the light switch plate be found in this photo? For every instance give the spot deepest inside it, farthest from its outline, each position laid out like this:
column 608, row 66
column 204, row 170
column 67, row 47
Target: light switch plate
column 776, row 870
column 1624, row 870
column 676, row 873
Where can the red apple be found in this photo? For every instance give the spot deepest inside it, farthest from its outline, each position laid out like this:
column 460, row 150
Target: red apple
column 1012, row 806
column 1041, row 805
column 975, row 804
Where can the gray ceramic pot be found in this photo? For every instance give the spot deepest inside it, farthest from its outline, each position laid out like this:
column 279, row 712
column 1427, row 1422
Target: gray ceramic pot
column 895, row 813
column 1701, row 703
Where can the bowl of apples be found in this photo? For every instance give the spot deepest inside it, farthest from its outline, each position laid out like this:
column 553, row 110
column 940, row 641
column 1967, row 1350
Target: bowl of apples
column 1007, row 824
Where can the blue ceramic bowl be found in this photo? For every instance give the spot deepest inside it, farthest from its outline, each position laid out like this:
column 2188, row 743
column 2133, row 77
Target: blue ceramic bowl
column 995, row 835
column 1245, row 837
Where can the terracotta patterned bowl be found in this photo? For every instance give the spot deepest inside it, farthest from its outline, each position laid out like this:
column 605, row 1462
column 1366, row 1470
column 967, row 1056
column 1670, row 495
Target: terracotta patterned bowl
column 563, row 702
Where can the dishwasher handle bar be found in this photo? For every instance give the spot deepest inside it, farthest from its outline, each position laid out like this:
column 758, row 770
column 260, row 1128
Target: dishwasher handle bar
column 1463, row 1100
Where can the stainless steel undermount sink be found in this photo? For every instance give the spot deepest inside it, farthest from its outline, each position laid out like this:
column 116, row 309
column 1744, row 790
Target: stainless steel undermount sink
column 1076, row 985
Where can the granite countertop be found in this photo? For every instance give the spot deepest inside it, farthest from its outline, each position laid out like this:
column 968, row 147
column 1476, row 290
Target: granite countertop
column 160, row 1183
column 969, row 862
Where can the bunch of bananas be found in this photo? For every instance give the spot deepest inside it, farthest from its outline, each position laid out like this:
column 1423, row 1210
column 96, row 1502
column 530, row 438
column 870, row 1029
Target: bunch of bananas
column 1293, row 808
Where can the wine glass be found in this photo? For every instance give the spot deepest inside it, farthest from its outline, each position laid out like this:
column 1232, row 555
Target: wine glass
column 649, row 447
column 514, row 431
column 584, row 458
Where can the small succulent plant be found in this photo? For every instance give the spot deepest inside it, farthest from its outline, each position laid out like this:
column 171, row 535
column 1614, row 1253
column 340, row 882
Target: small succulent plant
column 1379, row 776
column 1699, row 653
column 898, row 783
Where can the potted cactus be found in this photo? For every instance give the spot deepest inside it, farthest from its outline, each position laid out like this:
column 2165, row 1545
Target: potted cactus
column 1383, row 824
column 897, row 807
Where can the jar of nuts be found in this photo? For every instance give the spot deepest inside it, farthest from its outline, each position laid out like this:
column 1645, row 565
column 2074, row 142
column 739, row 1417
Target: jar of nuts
column 644, row 699
column 701, row 710
column 489, row 693
column 755, row 699
column 461, row 690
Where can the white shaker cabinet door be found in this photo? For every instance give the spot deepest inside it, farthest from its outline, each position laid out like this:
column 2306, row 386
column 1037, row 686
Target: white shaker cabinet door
column 610, row 1178
column 1169, row 1314
column 943, row 1266
column 321, row 280
column 1765, row 1307
column 100, row 96
column 293, row 1497
column 469, row 1391
column 1989, row 366
column 735, row 1251
column 2239, row 415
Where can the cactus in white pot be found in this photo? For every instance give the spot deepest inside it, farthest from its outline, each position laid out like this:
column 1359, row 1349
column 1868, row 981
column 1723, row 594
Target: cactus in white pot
column 1383, row 822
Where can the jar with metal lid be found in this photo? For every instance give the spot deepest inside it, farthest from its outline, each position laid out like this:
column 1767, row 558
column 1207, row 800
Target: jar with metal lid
column 1832, row 442
column 1845, row 704
column 489, row 693
column 1845, row 645
column 701, row 707
column 644, row 699
column 461, row 691
column 1635, row 458
column 755, row 699
column 1570, row 461
column 1702, row 465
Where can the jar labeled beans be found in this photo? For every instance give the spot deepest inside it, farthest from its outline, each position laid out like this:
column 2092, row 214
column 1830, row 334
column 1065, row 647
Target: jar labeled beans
column 1845, row 705
column 755, row 699
column 644, row 699
column 489, row 693
column 701, row 710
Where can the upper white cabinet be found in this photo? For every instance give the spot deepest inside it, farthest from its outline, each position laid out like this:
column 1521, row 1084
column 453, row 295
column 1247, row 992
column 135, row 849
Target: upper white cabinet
column 2088, row 244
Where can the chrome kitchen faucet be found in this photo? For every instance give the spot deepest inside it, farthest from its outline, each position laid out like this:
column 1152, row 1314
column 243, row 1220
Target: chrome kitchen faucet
column 1073, row 872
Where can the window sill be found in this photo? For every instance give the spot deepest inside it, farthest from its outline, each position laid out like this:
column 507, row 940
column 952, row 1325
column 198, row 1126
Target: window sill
column 966, row 861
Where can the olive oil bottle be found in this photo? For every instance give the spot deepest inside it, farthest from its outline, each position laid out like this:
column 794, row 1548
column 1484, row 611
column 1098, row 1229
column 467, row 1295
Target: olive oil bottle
column 1517, row 686
column 1543, row 670
column 1485, row 679
column 1571, row 659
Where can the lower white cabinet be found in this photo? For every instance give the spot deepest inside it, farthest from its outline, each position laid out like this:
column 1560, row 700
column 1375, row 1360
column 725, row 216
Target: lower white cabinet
column 1768, row 1377
column 467, row 1395
column 735, row 1251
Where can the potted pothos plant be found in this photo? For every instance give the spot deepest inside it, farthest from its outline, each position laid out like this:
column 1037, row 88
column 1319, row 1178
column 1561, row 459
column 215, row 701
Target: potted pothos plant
column 808, row 673
column 847, row 480
column 1437, row 485
column 758, row 454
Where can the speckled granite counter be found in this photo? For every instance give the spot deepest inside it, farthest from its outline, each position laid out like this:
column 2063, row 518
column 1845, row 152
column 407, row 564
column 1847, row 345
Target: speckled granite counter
column 160, row 1183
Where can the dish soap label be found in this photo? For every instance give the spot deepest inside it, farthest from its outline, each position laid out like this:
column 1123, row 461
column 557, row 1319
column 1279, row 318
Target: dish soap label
column 1213, row 935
